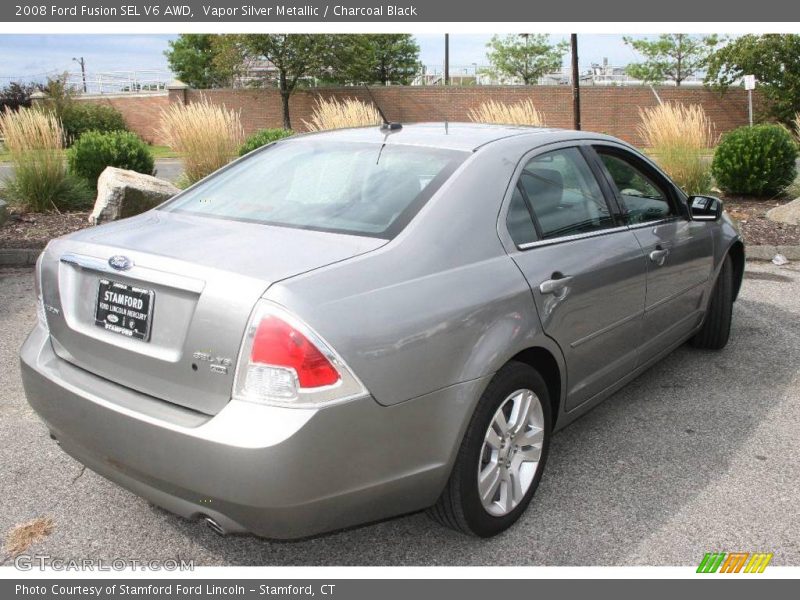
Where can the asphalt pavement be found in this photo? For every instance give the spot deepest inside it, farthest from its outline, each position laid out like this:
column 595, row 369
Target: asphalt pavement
column 699, row 454
column 166, row 168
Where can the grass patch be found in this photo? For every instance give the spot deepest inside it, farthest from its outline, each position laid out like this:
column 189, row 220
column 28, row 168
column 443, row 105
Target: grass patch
column 679, row 136
column 499, row 113
column 333, row 114
column 156, row 151
column 206, row 134
column 40, row 180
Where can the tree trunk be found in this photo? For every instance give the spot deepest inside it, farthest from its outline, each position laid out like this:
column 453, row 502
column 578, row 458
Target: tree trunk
column 285, row 93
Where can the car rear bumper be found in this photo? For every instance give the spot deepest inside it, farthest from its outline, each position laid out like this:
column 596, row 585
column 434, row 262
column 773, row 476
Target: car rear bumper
column 276, row 472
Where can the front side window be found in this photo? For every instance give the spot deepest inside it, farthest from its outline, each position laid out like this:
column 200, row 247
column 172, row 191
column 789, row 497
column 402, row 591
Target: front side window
column 564, row 195
column 348, row 187
column 643, row 200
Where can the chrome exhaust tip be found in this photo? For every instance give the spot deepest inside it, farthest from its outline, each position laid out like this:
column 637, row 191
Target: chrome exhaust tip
column 213, row 525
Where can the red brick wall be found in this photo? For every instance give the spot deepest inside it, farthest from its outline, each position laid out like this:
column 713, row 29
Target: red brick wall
column 142, row 112
column 612, row 110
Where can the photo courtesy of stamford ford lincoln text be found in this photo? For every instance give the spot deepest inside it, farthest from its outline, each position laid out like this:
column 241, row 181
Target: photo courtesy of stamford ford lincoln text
column 337, row 291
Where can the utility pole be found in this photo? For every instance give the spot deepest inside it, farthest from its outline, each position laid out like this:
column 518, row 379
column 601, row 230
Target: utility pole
column 576, row 84
column 447, row 59
column 82, row 63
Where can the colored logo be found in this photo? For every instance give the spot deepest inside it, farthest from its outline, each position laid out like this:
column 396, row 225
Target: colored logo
column 734, row 562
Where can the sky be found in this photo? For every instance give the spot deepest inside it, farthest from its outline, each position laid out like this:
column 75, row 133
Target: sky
column 34, row 57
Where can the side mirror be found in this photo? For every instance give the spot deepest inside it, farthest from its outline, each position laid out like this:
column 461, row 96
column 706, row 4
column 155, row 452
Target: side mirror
column 705, row 208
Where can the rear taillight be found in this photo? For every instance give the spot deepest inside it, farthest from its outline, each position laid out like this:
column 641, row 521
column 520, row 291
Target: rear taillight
column 284, row 362
column 278, row 344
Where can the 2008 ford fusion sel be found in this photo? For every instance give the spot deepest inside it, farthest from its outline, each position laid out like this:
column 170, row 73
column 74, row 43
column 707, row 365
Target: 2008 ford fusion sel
column 346, row 326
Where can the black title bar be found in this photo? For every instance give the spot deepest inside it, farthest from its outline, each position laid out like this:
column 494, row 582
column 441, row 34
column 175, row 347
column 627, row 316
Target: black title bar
column 402, row 11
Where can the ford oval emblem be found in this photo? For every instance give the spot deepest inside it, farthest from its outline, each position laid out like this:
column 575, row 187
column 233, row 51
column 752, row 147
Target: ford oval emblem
column 120, row 263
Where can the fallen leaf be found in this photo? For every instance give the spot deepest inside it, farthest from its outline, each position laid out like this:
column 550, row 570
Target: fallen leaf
column 22, row 537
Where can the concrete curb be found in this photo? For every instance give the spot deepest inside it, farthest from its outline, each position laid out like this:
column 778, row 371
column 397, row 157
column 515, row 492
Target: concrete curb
column 26, row 257
column 19, row 257
column 767, row 252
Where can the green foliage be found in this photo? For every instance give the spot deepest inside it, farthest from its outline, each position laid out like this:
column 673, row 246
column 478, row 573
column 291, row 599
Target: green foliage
column 38, row 187
column 79, row 117
column 525, row 56
column 755, row 161
column 76, row 116
column 775, row 61
column 16, row 95
column 199, row 60
column 372, row 58
column 95, row 150
column 262, row 138
column 670, row 57
column 295, row 56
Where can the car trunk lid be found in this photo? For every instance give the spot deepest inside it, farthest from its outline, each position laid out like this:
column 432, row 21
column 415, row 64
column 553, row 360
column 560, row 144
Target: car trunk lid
column 180, row 308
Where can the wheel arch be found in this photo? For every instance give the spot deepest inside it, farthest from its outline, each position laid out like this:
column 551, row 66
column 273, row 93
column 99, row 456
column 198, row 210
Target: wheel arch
column 548, row 366
column 736, row 252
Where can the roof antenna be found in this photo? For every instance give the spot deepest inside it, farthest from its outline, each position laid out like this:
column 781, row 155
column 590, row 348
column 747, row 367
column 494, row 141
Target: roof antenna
column 387, row 125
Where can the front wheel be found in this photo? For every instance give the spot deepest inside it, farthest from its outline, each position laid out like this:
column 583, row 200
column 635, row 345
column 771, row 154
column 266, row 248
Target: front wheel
column 502, row 456
column 717, row 325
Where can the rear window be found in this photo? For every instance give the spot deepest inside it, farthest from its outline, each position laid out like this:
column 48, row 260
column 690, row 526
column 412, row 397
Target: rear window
column 355, row 188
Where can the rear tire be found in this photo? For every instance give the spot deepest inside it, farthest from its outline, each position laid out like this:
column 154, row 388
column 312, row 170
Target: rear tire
column 461, row 506
column 717, row 325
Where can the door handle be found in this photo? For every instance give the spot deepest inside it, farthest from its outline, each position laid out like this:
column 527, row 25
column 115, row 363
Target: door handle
column 554, row 285
column 659, row 255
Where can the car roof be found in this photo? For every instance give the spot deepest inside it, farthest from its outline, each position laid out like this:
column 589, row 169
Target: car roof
column 454, row 136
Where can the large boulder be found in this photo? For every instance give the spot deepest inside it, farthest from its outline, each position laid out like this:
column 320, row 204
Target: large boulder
column 122, row 193
column 786, row 213
column 3, row 212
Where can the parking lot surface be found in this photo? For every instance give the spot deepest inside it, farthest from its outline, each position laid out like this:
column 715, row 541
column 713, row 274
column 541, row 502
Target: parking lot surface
column 701, row 453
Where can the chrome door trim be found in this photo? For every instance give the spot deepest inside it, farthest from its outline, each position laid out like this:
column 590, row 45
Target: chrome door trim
column 569, row 238
column 591, row 234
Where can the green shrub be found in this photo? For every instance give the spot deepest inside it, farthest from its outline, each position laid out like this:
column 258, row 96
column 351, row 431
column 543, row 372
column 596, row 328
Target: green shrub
column 755, row 161
column 94, row 151
column 262, row 138
column 79, row 117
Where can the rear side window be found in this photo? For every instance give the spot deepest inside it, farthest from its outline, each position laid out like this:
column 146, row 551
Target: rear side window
column 564, row 195
column 355, row 188
column 643, row 200
column 518, row 220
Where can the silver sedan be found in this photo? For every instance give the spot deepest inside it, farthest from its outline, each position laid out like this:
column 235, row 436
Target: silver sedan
column 346, row 326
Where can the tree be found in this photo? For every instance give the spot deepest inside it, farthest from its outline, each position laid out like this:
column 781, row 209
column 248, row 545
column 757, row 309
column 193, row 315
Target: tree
column 670, row 57
column 16, row 95
column 195, row 60
column 775, row 61
column 373, row 58
column 293, row 56
column 526, row 56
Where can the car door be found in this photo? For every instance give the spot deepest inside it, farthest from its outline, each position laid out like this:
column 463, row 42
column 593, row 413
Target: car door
column 586, row 270
column 679, row 251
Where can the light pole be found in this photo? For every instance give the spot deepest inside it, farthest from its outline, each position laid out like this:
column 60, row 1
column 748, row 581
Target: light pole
column 82, row 63
column 576, row 84
column 447, row 59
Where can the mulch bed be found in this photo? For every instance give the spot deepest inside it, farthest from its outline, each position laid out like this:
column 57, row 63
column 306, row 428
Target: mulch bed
column 34, row 230
column 756, row 229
